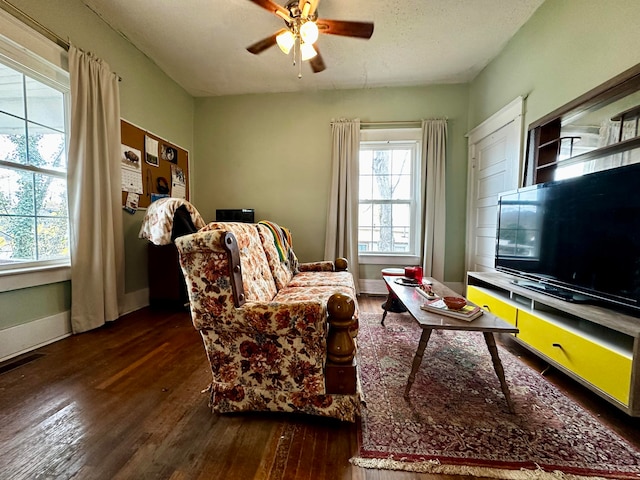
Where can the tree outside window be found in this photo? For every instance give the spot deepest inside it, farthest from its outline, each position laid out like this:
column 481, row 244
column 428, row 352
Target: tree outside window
column 388, row 203
column 34, row 223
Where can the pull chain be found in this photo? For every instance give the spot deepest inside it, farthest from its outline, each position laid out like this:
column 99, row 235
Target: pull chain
column 297, row 52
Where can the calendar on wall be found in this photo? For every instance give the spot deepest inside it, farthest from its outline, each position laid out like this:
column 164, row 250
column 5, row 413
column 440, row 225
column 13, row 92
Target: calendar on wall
column 131, row 170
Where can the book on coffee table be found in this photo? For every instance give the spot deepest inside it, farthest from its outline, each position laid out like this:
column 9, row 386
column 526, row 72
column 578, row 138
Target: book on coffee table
column 468, row 312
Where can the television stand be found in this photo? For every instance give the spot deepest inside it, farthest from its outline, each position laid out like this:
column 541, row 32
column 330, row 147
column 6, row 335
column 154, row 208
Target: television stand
column 598, row 347
column 555, row 292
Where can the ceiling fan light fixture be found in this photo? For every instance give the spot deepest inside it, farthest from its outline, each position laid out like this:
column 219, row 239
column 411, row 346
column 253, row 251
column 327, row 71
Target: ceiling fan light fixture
column 285, row 41
column 302, row 31
column 307, row 52
column 309, row 32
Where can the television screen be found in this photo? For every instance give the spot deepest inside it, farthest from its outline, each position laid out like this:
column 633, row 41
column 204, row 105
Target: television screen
column 581, row 235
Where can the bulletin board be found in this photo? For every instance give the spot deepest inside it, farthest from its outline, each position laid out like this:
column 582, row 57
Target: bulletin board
column 152, row 166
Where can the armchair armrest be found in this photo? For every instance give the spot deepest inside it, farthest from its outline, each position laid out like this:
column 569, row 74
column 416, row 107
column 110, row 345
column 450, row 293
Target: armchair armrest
column 338, row 265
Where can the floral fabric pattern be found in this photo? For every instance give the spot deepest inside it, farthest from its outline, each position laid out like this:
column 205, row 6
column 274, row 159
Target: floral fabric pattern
column 257, row 280
column 268, row 354
column 158, row 221
column 309, row 279
column 323, row 266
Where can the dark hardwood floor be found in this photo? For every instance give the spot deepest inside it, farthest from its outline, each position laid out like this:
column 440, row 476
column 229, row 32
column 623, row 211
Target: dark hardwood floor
column 125, row 402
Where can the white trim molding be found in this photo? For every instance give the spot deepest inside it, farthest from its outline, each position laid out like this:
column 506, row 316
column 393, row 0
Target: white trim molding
column 23, row 338
column 372, row 287
column 29, row 336
column 135, row 301
column 25, row 278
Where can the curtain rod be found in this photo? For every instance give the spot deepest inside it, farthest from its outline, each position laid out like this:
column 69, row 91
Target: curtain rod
column 37, row 26
column 393, row 122
column 410, row 123
column 33, row 23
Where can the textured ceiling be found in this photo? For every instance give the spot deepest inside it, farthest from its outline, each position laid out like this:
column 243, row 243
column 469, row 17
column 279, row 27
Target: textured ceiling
column 201, row 44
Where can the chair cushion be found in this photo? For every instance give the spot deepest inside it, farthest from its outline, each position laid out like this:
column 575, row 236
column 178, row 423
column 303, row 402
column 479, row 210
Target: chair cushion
column 317, row 279
column 319, row 293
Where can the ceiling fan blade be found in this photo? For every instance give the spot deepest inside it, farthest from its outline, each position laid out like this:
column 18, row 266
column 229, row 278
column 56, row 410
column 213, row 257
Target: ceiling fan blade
column 274, row 8
column 265, row 43
column 317, row 63
column 345, row 28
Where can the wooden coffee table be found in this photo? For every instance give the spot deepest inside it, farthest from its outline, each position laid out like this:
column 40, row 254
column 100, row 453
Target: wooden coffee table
column 488, row 324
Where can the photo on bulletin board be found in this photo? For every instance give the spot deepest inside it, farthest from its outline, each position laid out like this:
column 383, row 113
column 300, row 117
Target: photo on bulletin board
column 151, row 150
column 169, row 154
column 131, row 156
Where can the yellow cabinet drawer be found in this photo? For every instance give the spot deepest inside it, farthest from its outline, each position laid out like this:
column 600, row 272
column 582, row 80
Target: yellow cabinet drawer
column 493, row 304
column 605, row 368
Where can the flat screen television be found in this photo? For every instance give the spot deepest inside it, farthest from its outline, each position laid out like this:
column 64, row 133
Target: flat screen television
column 577, row 239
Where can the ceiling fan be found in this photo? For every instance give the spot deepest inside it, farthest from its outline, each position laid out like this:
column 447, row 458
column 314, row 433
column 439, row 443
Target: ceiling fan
column 302, row 29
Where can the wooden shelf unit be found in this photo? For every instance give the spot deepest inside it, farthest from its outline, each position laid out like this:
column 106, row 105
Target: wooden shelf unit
column 546, row 134
column 597, row 346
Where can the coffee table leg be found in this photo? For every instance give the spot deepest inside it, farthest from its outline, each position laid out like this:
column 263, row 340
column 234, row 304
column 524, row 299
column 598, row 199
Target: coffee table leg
column 497, row 366
column 385, row 307
column 417, row 360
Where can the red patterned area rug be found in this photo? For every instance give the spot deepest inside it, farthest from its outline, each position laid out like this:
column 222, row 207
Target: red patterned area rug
column 456, row 419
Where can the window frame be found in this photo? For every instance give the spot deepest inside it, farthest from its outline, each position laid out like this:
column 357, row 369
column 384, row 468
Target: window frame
column 32, row 54
column 400, row 137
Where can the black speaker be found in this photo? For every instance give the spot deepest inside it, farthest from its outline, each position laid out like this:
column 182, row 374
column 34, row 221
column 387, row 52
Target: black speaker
column 244, row 215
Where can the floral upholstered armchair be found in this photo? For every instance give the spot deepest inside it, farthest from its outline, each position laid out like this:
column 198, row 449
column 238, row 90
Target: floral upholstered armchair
column 265, row 335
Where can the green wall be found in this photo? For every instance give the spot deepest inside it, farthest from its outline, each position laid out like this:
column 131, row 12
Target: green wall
column 146, row 95
column 28, row 304
column 567, row 48
column 272, row 152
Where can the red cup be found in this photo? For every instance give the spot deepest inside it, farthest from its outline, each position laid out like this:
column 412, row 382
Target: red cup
column 414, row 273
column 417, row 274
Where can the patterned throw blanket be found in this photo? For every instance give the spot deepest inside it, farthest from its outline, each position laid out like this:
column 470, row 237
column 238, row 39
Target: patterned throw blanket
column 284, row 244
column 158, row 221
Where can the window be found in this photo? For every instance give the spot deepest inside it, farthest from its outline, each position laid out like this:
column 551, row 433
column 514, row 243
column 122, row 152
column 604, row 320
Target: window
column 34, row 219
column 389, row 198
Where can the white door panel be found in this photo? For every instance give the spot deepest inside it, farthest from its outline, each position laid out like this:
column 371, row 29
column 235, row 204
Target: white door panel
column 485, row 246
column 486, row 202
column 492, row 152
column 487, row 232
column 491, row 185
column 486, row 217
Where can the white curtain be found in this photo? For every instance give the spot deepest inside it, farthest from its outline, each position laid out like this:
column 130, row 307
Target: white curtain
column 610, row 133
column 434, row 147
column 342, row 216
column 97, row 242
